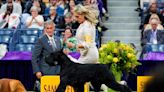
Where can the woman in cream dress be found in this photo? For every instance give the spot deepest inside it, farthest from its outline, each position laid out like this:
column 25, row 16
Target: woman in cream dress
column 86, row 33
column 87, row 16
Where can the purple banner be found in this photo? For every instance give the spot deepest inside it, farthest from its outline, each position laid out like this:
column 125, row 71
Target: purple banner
column 154, row 56
column 17, row 56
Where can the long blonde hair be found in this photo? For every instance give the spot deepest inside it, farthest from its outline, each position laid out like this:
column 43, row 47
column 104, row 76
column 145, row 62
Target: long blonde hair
column 154, row 16
column 90, row 12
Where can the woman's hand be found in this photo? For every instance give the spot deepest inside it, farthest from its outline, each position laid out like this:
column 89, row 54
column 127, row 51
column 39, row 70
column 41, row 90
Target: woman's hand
column 70, row 45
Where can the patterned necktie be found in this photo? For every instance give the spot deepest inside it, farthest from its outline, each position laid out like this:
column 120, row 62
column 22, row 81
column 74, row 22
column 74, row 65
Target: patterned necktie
column 53, row 44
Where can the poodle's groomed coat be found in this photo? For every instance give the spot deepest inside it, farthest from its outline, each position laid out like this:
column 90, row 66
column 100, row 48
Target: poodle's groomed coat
column 76, row 75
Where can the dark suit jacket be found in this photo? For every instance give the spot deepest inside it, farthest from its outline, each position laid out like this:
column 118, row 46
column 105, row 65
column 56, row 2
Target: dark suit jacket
column 147, row 36
column 43, row 48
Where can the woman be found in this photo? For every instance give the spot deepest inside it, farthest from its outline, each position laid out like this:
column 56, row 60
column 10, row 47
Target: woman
column 156, row 17
column 86, row 33
column 70, row 7
column 68, row 39
column 87, row 16
column 35, row 20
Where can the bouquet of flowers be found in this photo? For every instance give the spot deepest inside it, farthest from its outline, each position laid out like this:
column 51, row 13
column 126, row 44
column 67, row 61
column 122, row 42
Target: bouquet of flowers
column 120, row 57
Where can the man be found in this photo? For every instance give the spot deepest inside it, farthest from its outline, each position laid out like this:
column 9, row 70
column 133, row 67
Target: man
column 152, row 10
column 17, row 8
column 45, row 45
column 153, row 36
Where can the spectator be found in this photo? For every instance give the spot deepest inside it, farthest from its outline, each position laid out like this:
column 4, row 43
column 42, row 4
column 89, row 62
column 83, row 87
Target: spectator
column 68, row 38
column 58, row 20
column 52, row 3
column 159, row 26
column 86, row 33
column 152, row 10
column 35, row 20
column 68, row 21
column 45, row 45
column 9, row 19
column 70, row 7
column 16, row 7
column 52, row 15
column 98, row 4
column 69, row 44
column 153, row 36
column 22, row 3
column 38, row 3
column 61, row 5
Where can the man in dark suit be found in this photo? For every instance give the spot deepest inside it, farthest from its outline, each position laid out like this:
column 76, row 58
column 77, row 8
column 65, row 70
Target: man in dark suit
column 45, row 45
column 153, row 36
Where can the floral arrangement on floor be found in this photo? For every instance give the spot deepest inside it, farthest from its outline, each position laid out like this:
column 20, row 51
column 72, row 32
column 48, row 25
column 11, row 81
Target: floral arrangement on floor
column 120, row 57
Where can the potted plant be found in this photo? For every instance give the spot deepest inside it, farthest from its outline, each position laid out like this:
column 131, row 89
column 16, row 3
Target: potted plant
column 119, row 56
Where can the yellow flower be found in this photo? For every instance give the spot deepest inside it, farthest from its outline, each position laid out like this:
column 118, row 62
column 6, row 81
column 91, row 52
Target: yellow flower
column 127, row 48
column 115, row 59
column 104, row 46
column 129, row 55
column 115, row 50
column 101, row 49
